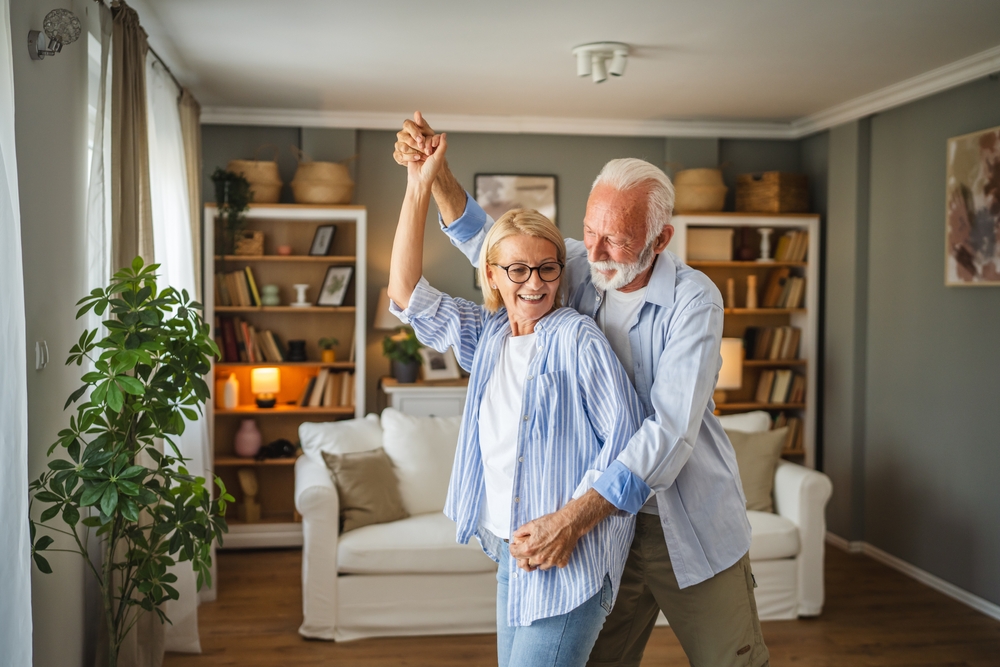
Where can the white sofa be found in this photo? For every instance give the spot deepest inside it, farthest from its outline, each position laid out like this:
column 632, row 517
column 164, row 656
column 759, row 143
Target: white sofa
column 409, row 577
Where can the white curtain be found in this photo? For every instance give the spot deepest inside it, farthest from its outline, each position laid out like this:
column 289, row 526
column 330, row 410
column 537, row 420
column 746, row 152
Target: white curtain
column 173, row 243
column 15, row 546
column 99, row 189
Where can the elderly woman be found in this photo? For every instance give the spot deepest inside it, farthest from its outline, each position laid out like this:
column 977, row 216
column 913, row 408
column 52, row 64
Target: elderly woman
column 549, row 408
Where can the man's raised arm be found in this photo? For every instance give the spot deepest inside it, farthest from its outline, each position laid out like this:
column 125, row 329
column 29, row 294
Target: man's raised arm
column 412, row 145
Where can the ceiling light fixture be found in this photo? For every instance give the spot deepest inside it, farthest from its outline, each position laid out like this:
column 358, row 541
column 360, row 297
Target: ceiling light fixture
column 61, row 27
column 592, row 59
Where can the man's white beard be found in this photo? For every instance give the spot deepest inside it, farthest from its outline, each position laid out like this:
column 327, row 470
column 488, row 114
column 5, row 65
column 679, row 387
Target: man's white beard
column 624, row 273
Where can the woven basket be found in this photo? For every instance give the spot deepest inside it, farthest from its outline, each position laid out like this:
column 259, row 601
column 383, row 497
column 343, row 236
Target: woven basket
column 698, row 177
column 249, row 243
column 699, row 198
column 263, row 175
column 266, row 193
column 772, row 192
column 321, row 182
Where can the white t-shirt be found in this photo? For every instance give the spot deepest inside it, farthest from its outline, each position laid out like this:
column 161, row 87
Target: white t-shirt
column 500, row 419
column 616, row 317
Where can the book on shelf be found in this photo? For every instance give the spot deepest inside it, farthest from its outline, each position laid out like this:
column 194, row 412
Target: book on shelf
column 792, row 246
column 782, row 383
column 316, row 397
column 790, row 348
column 776, row 281
column 764, row 384
column 330, row 390
column 237, row 288
column 307, row 392
column 253, row 286
column 241, row 342
column 797, row 393
column 771, row 343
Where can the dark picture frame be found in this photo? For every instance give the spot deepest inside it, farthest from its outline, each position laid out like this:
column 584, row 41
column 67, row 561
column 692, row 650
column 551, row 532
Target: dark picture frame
column 322, row 240
column 334, row 287
column 498, row 193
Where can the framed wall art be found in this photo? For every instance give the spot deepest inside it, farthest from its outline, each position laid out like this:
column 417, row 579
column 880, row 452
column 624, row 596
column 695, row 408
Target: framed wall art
column 972, row 210
column 498, row 193
column 335, row 286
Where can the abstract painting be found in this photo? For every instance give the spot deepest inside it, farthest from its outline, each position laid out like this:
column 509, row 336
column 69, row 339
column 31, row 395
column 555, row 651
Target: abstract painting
column 972, row 209
column 498, row 193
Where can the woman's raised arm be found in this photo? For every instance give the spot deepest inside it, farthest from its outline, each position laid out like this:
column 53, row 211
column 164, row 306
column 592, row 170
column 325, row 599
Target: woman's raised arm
column 406, row 265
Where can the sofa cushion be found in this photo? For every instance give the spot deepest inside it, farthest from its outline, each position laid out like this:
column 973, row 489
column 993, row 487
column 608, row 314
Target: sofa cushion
column 422, row 450
column 773, row 536
column 418, row 545
column 366, row 487
column 757, row 456
column 748, row 422
column 343, row 437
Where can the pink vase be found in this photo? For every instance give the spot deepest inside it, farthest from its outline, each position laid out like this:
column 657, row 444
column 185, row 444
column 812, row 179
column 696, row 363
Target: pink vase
column 247, row 441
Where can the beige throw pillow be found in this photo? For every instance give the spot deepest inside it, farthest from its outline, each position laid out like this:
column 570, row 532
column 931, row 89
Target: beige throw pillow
column 757, row 456
column 367, row 488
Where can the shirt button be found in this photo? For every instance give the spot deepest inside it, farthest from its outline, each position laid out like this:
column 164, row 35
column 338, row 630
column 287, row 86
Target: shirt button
column 517, row 500
column 531, row 377
column 520, row 459
column 515, row 575
column 525, row 417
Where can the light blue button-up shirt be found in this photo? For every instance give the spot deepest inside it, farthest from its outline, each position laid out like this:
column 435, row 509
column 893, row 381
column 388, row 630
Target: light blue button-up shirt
column 578, row 412
column 681, row 450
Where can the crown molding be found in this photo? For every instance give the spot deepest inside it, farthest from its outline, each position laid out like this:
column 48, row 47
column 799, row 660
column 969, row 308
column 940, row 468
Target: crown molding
column 937, row 80
column 499, row 124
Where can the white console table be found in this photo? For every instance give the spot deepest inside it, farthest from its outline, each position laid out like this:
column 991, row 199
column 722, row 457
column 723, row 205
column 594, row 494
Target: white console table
column 426, row 399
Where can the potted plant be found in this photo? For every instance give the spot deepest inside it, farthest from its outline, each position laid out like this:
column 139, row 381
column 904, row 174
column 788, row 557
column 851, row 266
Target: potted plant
column 232, row 196
column 403, row 350
column 147, row 510
column 326, row 345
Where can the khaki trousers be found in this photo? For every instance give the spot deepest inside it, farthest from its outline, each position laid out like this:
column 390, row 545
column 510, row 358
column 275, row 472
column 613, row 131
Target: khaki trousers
column 715, row 621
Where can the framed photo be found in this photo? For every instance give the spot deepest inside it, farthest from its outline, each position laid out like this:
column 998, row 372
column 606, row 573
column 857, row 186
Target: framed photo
column 439, row 366
column 972, row 210
column 498, row 193
column 323, row 239
column 335, row 285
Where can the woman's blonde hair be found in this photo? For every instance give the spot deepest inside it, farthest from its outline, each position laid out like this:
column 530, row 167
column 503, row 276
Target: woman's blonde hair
column 518, row 221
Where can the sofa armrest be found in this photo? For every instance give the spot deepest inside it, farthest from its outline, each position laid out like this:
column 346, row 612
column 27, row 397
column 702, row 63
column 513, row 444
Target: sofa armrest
column 800, row 495
column 316, row 500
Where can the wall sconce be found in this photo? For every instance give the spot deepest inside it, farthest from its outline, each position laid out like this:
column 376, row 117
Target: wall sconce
column 731, row 373
column 61, row 27
column 265, row 383
column 592, row 60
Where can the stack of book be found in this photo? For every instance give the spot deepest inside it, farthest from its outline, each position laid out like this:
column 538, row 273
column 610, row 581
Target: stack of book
column 792, row 247
column 795, row 440
column 772, row 343
column 781, row 386
column 783, row 290
column 329, row 389
column 240, row 341
column 237, row 288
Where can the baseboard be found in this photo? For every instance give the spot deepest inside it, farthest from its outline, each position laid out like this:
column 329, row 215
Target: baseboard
column 914, row 572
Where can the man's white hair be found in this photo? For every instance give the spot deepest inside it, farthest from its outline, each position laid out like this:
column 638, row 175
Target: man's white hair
column 627, row 173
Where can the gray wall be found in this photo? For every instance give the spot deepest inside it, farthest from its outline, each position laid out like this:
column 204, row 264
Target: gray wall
column 932, row 425
column 51, row 134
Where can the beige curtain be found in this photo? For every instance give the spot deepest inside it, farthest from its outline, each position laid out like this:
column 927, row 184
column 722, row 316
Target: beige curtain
column 190, row 112
column 131, row 209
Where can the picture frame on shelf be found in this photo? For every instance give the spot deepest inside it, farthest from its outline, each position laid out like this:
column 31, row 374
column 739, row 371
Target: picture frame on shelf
column 322, row 240
column 335, row 284
column 439, row 366
column 499, row 193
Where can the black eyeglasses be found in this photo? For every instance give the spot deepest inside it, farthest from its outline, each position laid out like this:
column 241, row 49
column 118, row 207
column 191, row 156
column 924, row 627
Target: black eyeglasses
column 521, row 273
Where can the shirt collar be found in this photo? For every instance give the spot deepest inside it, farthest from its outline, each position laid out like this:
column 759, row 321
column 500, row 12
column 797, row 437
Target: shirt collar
column 661, row 283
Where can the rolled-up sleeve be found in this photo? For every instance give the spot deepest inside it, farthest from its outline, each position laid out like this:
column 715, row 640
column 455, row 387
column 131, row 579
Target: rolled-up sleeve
column 442, row 321
column 468, row 232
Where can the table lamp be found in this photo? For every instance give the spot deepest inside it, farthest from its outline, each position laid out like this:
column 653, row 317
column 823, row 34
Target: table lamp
column 731, row 374
column 384, row 320
column 264, row 384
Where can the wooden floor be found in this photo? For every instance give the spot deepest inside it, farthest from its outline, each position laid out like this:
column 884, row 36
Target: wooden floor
column 874, row 617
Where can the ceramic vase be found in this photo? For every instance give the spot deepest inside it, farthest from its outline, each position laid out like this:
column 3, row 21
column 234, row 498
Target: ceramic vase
column 247, row 441
column 231, row 393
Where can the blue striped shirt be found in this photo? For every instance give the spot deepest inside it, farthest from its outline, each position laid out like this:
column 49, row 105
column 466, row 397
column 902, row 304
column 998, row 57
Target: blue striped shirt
column 579, row 411
column 681, row 450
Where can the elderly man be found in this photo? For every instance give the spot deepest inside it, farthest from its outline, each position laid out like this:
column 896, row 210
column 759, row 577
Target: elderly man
column 690, row 553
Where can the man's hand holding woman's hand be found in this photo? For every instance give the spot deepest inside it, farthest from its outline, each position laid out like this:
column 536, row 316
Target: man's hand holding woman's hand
column 423, row 172
column 544, row 543
column 414, row 143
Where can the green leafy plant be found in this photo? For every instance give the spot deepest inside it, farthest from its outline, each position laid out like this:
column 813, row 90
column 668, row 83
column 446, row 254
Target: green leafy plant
column 232, row 196
column 402, row 347
column 328, row 343
column 147, row 510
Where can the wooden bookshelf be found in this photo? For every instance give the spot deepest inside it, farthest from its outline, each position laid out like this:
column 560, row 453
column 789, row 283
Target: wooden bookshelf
column 292, row 225
column 738, row 318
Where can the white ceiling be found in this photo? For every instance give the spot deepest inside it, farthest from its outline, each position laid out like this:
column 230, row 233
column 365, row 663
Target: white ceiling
column 707, row 60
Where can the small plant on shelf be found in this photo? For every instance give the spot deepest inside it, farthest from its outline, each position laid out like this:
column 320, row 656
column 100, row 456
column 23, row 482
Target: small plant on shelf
column 232, row 196
column 326, row 345
column 112, row 475
column 403, row 350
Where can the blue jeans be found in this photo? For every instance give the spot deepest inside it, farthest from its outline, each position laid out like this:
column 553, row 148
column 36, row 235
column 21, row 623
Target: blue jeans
column 558, row 641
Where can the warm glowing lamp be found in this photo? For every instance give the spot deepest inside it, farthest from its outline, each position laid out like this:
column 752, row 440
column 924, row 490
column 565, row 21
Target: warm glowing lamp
column 731, row 374
column 265, row 383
